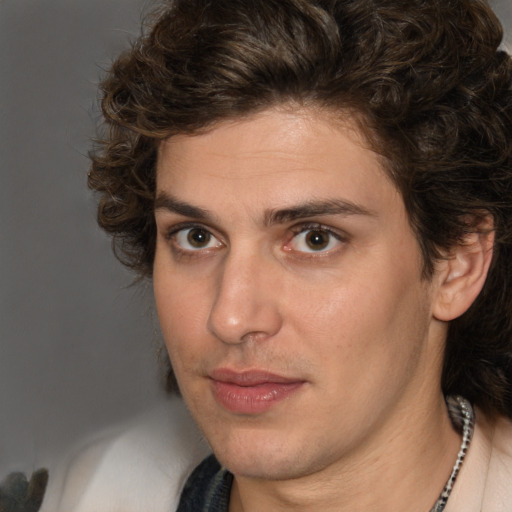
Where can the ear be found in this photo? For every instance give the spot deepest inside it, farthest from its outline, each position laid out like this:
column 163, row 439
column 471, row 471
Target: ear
column 463, row 273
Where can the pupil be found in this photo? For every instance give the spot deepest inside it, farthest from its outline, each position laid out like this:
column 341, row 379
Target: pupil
column 198, row 237
column 317, row 240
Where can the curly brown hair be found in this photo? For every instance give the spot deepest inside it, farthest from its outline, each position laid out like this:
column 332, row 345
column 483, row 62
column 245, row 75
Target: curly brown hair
column 426, row 77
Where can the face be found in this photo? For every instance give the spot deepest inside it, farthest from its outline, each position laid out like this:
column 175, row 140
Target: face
column 288, row 286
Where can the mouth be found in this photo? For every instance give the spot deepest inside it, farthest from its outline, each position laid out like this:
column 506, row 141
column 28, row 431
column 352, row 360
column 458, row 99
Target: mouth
column 251, row 391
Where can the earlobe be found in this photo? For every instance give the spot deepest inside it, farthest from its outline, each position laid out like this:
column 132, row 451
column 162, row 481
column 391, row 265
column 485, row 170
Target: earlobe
column 463, row 273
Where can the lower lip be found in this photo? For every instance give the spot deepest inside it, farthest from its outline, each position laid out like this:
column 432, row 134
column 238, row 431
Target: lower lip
column 253, row 399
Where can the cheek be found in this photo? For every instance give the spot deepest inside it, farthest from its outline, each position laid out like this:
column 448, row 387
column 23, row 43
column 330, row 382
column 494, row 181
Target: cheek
column 367, row 320
column 181, row 311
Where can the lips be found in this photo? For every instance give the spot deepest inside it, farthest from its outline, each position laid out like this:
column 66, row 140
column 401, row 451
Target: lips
column 251, row 392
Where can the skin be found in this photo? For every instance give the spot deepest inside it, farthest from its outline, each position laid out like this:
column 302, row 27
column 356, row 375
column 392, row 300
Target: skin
column 242, row 286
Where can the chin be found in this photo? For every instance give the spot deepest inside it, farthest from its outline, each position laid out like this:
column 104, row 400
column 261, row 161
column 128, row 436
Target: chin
column 246, row 465
column 269, row 457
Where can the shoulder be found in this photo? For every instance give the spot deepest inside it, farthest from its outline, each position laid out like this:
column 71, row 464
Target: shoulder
column 499, row 479
column 138, row 466
column 485, row 480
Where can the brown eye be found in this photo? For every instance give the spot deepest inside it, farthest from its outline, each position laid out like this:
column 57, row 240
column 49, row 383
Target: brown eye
column 195, row 239
column 317, row 240
column 198, row 238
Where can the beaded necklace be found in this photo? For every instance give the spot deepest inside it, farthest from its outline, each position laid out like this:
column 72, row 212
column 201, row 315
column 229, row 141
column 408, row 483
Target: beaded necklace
column 462, row 416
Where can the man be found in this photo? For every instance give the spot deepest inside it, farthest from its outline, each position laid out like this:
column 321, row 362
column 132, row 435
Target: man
column 321, row 191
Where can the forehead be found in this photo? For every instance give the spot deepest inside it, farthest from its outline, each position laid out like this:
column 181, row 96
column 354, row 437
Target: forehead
column 276, row 155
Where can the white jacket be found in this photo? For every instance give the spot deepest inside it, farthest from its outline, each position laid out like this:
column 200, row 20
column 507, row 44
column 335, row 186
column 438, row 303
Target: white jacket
column 484, row 483
column 140, row 466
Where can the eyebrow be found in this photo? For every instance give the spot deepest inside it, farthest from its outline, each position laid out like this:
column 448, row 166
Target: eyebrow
column 312, row 208
column 316, row 208
column 166, row 202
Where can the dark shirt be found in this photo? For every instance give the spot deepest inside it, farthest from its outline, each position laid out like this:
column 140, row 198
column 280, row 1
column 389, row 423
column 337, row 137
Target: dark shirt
column 207, row 489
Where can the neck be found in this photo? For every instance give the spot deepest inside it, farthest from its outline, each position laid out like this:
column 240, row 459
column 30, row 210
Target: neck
column 403, row 468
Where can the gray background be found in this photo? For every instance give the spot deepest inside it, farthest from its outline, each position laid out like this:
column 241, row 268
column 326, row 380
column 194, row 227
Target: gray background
column 77, row 344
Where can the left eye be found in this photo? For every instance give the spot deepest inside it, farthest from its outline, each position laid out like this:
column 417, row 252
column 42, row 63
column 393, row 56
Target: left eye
column 315, row 240
column 195, row 239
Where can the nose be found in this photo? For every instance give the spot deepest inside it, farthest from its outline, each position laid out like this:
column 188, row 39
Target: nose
column 246, row 303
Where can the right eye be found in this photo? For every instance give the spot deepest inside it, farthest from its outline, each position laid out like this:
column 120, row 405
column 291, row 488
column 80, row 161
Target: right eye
column 195, row 238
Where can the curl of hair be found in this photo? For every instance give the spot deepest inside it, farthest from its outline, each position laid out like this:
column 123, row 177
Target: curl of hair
column 432, row 90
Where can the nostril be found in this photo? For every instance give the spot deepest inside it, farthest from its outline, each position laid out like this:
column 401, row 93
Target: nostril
column 255, row 337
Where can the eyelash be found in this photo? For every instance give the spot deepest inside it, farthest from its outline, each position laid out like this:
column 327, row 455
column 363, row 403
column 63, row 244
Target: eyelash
column 316, row 227
column 173, row 232
column 297, row 230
